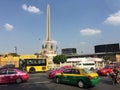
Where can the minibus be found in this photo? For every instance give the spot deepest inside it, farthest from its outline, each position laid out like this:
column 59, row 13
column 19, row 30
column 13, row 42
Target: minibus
column 86, row 64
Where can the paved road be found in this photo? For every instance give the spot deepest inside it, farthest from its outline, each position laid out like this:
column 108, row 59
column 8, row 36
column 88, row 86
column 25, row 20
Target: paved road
column 40, row 81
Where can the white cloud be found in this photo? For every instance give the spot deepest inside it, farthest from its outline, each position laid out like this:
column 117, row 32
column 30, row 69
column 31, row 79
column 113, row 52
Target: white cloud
column 89, row 32
column 83, row 43
column 8, row 27
column 31, row 9
column 113, row 19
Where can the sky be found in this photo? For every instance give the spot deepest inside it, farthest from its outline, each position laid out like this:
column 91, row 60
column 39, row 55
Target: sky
column 79, row 24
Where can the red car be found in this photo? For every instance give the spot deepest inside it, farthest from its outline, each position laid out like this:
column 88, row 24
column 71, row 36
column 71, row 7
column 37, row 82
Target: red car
column 54, row 72
column 107, row 70
column 11, row 75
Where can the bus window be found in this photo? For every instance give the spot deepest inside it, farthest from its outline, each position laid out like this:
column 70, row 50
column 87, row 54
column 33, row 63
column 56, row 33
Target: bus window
column 43, row 62
column 39, row 62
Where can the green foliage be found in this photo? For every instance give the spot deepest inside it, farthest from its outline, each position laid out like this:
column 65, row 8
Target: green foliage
column 59, row 58
column 110, row 58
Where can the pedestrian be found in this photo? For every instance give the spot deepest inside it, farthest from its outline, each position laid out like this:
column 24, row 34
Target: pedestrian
column 115, row 75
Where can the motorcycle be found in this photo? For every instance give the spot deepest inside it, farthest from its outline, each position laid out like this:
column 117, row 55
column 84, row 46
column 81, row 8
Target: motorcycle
column 115, row 78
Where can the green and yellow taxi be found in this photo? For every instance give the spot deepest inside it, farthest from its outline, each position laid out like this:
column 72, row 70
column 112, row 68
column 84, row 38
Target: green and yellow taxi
column 81, row 77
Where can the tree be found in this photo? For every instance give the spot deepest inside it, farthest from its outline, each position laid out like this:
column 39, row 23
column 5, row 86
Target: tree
column 110, row 58
column 13, row 54
column 59, row 58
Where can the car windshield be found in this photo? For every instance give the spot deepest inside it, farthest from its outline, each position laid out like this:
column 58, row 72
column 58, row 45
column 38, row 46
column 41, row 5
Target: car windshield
column 60, row 68
column 109, row 66
column 86, row 70
column 106, row 66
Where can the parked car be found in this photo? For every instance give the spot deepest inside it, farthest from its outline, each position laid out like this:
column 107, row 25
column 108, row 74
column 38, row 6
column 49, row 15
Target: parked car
column 78, row 76
column 107, row 70
column 9, row 66
column 11, row 75
column 86, row 64
column 54, row 72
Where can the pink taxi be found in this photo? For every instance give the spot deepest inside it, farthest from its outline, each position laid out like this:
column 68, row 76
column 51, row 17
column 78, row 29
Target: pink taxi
column 11, row 75
column 54, row 72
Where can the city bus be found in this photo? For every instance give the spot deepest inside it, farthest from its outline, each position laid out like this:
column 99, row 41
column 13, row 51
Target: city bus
column 34, row 65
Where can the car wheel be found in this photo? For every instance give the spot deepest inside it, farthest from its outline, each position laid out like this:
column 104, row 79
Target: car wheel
column 18, row 80
column 80, row 84
column 57, row 80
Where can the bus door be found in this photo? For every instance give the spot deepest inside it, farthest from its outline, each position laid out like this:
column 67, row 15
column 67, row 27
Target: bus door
column 22, row 65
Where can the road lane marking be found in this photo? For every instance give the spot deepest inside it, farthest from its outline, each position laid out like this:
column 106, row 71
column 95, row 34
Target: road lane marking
column 42, row 82
column 27, row 83
column 3, row 85
column 35, row 78
column 36, row 82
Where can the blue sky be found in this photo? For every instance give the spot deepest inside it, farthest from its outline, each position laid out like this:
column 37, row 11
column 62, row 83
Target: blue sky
column 80, row 24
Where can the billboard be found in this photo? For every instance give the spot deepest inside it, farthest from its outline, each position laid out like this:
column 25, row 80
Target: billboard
column 107, row 48
column 69, row 51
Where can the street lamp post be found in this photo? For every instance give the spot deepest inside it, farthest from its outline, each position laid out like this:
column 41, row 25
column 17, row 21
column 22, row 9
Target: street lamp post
column 15, row 49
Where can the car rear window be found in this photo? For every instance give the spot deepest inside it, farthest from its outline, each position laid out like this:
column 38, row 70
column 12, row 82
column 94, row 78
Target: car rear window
column 11, row 72
column 87, row 70
column 3, row 71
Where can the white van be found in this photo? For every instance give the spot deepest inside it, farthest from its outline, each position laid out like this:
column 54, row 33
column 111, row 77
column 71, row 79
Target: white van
column 86, row 64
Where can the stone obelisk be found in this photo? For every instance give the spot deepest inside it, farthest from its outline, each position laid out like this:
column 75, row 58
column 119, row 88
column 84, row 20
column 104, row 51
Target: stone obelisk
column 48, row 36
column 49, row 47
column 48, row 24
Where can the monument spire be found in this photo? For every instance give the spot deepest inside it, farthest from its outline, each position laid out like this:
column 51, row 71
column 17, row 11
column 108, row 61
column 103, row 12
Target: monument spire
column 49, row 46
column 48, row 38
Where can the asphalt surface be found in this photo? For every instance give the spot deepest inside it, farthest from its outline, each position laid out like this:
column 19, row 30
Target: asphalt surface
column 40, row 81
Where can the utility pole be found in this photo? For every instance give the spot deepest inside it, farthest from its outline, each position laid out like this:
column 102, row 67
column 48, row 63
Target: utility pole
column 15, row 49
